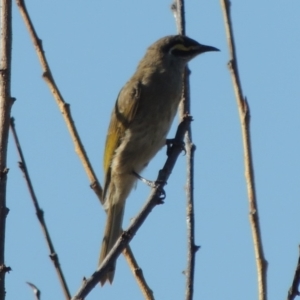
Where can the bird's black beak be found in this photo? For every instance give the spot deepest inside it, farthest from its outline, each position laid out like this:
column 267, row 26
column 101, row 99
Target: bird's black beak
column 204, row 48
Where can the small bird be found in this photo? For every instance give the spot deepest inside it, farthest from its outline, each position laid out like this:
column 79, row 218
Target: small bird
column 140, row 121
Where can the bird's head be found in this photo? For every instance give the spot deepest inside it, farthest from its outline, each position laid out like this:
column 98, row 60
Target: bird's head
column 178, row 48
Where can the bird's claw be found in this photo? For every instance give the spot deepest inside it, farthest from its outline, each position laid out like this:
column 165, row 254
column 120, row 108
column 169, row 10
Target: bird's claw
column 173, row 142
column 153, row 184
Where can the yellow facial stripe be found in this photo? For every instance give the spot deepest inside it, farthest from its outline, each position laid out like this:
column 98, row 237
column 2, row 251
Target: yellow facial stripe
column 183, row 48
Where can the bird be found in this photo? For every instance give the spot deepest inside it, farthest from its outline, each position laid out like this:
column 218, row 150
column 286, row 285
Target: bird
column 140, row 121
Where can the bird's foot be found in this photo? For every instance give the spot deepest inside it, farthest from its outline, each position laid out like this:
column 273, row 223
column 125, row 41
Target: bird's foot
column 174, row 142
column 152, row 184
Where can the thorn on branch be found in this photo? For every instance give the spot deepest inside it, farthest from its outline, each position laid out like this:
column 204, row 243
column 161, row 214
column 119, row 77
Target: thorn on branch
column 230, row 65
column 196, row 248
column 246, row 109
column 174, row 9
column 12, row 100
column 21, row 166
column 4, row 269
column 40, row 43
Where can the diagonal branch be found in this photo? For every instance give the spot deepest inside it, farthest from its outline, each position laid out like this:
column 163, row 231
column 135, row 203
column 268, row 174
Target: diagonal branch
column 294, row 289
column 36, row 291
column 5, row 108
column 185, row 107
column 65, row 110
column 153, row 200
column 39, row 213
column 63, row 106
column 244, row 113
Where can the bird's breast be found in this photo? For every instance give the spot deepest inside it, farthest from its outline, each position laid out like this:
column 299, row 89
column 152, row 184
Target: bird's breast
column 147, row 133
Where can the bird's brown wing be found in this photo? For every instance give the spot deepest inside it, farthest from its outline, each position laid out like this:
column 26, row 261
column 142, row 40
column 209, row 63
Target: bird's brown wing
column 124, row 112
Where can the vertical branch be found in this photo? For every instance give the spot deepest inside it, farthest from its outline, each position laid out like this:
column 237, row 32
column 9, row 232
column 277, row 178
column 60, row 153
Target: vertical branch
column 5, row 108
column 244, row 114
column 185, row 108
column 40, row 214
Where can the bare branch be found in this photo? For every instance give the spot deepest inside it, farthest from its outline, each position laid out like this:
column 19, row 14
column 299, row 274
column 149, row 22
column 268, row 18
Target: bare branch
column 294, row 289
column 5, row 108
column 244, row 113
column 63, row 106
column 185, row 107
column 79, row 149
column 40, row 214
column 153, row 200
column 36, row 291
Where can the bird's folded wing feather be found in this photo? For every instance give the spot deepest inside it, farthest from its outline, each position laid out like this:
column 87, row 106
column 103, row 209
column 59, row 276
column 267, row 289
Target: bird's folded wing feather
column 123, row 114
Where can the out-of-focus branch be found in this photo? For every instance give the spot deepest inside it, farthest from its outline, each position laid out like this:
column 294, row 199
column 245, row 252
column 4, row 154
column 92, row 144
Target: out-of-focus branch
column 63, row 106
column 244, row 113
column 185, row 107
column 65, row 109
column 40, row 214
column 5, row 108
column 294, row 289
column 153, row 200
column 36, row 291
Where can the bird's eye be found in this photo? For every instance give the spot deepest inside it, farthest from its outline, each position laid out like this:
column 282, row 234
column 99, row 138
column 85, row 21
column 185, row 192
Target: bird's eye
column 181, row 50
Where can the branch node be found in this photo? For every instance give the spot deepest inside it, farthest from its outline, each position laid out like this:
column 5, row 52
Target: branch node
column 4, row 173
column 46, row 75
column 53, row 256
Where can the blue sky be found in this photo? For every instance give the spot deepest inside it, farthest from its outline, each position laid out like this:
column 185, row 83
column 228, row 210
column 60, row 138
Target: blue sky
column 93, row 48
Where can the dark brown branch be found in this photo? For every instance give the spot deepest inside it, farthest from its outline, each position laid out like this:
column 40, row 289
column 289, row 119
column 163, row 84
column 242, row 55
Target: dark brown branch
column 79, row 149
column 40, row 214
column 294, row 289
column 244, row 113
column 153, row 200
column 5, row 108
column 185, row 107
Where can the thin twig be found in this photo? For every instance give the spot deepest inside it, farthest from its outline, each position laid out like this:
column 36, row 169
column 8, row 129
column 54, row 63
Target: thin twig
column 244, row 113
column 36, row 291
column 294, row 289
column 5, row 108
column 138, row 274
column 153, row 200
column 40, row 214
column 185, row 107
column 65, row 109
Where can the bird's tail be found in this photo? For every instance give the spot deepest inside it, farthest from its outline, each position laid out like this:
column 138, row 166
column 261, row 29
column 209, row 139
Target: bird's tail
column 112, row 232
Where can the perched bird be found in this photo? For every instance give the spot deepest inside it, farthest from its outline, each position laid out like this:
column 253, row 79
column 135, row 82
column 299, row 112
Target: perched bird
column 140, row 121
